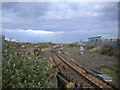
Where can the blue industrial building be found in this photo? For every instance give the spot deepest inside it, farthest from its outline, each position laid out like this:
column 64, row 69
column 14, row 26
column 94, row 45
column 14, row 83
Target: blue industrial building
column 101, row 38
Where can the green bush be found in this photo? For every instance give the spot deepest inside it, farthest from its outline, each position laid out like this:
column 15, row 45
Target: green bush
column 70, row 45
column 107, row 51
column 23, row 71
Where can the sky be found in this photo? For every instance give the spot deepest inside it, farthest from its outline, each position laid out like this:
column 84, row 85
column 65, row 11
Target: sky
column 58, row 22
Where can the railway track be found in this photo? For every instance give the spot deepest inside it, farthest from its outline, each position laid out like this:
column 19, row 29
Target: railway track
column 78, row 75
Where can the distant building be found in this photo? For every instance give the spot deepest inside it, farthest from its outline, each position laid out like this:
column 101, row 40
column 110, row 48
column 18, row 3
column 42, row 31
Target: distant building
column 101, row 38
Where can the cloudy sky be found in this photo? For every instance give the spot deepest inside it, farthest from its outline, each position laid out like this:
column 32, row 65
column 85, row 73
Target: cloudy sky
column 60, row 22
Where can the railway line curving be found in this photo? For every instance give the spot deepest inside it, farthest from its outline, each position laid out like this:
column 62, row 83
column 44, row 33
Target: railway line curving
column 77, row 74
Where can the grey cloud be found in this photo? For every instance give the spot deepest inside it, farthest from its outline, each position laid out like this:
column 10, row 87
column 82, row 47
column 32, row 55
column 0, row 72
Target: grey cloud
column 109, row 10
column 77, row 20
column 26, row 9
column 9, row 5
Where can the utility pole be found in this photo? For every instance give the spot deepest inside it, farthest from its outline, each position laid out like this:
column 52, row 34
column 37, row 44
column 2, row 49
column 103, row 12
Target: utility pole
column 57, row 37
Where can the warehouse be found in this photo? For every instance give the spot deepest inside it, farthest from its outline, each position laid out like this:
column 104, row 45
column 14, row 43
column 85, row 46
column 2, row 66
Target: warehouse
column 101, row 38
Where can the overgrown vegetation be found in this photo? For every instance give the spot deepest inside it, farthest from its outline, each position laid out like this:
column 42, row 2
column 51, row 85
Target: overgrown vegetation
column 106, row 50
column 93, row 49
column 69, row 45
column 45, row 44
column 112, row 71
column 23, row 70
column 113, row 68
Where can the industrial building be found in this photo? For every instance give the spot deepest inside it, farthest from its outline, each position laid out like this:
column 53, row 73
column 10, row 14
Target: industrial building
column 101, row 38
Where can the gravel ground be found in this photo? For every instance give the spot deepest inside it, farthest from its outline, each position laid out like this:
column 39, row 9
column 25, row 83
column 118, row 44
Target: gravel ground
column 92, row 60
column 46, row 56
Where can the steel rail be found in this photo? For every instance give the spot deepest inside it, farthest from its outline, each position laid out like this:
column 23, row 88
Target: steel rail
column 86, row 78
column 69, row 67
column 89, row 81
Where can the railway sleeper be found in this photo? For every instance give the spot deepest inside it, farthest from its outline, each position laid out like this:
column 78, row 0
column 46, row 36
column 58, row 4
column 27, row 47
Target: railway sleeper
column 71, row 74
column 75, row 78
column 82, row 85
column 78, row 80
column 87, row 78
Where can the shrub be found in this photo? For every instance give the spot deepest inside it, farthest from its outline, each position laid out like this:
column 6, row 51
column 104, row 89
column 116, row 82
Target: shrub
column 107, row 51
column 23, row 71
column 70, row 45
